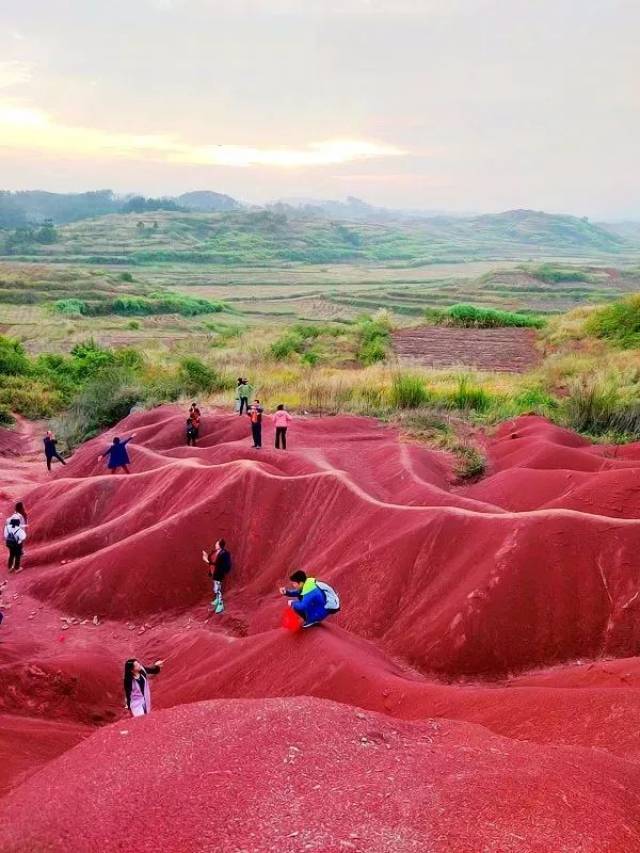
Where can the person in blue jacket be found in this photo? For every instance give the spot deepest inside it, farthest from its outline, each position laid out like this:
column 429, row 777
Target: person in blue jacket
column 118, row 456
column 314, row 600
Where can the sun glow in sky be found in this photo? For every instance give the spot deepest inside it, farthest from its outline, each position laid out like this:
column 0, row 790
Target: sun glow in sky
column 437, row 104
column 26, row 129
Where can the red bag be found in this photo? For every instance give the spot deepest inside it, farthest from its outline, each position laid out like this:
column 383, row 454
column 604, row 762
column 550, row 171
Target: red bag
column 290, row 620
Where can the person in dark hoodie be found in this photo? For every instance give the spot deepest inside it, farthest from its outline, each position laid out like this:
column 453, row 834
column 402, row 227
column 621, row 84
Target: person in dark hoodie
column 118, row 456
column 219, row 562
column 315, row 600
column 137, row 694
column 50, row 452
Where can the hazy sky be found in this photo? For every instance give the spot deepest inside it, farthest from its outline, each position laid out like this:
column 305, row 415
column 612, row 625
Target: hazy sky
column 450, row 104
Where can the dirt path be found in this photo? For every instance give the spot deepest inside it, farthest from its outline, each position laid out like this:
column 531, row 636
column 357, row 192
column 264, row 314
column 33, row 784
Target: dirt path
column 505, row 350
column 22, row 463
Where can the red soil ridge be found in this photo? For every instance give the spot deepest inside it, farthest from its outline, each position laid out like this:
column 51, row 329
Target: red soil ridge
column 533, row 570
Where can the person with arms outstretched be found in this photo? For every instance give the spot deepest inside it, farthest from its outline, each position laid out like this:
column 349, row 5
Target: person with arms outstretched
column 219, row 562
column 50, row 452
column 312, row 600
column 137, row 695
column 118, row 456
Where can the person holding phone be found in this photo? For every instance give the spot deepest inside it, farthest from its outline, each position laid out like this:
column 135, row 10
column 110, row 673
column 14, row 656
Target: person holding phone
column 219, row 562
column 137, row 694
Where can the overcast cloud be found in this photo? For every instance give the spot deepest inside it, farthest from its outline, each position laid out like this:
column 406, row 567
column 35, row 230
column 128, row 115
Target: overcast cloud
column 446, row 104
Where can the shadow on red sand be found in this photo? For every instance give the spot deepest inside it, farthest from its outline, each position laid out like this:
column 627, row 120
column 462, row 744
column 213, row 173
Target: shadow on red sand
column 478, row 691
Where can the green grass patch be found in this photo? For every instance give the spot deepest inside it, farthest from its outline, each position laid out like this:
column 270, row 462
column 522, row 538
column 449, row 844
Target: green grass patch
column 408, row 391
column 186, row 306
column 618, row 322
column 473, row 317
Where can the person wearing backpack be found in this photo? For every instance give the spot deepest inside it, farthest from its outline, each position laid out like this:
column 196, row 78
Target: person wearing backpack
column 50, row 451
column 219, row 562
column 118, row 456
column 315, row 600
column 20, row 513
column 14, row 536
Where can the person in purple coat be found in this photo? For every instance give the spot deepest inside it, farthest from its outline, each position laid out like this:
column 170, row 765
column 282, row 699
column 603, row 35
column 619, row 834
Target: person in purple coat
column 118, row 456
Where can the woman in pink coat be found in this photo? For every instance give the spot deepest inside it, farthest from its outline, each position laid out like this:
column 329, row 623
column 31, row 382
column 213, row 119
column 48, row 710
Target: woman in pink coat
column 281, row 419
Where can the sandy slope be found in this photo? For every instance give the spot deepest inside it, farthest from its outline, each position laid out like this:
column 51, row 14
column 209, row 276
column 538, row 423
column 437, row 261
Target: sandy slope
column 524, row 572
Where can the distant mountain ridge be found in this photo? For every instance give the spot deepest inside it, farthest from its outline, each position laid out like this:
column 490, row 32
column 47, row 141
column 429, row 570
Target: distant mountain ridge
column 523, row 227
column 24, row 207
column 163, row 231
column 207, row 201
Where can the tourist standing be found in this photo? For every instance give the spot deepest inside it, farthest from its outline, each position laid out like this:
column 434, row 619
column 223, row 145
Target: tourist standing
column 136, row 686
column 281, row 419
column 219, row 562
column 255, row 416
column 50, row 451
column 14, row 536
column 118, row 456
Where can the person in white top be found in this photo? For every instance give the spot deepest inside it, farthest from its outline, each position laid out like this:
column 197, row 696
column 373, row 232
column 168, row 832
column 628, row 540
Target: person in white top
column 14, row 536
column 136, row 686
column 281, row 420
column 20, row 513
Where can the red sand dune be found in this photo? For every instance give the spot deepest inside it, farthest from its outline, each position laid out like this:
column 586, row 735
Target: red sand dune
column 522, row 585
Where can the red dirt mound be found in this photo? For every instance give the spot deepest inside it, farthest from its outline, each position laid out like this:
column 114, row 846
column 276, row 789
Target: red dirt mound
column 534, row 565
column 233, row 776
column 446, row 582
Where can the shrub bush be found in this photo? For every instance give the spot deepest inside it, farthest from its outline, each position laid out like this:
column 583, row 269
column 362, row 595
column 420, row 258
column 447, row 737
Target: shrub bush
column 469, row 396
column 286, row 346
column 13, row 359
column 596, row 406
column 472, row 317
column 374, row 340
column 104, row 400
column 470, row 463
column 408, row 391
column 198, row 377
column 618, row 322
column 73, row 307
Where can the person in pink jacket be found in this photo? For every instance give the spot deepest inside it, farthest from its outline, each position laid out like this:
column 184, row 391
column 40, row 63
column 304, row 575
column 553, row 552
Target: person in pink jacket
column 281, row 419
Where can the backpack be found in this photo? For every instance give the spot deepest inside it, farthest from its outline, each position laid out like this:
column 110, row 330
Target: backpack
column 331, row 597
column 12, row 536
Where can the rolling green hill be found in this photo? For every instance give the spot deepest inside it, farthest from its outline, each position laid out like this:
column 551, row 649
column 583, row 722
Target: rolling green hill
column 268, row 238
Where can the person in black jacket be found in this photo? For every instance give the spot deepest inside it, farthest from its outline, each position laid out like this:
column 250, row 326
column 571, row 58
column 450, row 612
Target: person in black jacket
column 50, row 451
column 136, row 686
column 219, row 562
